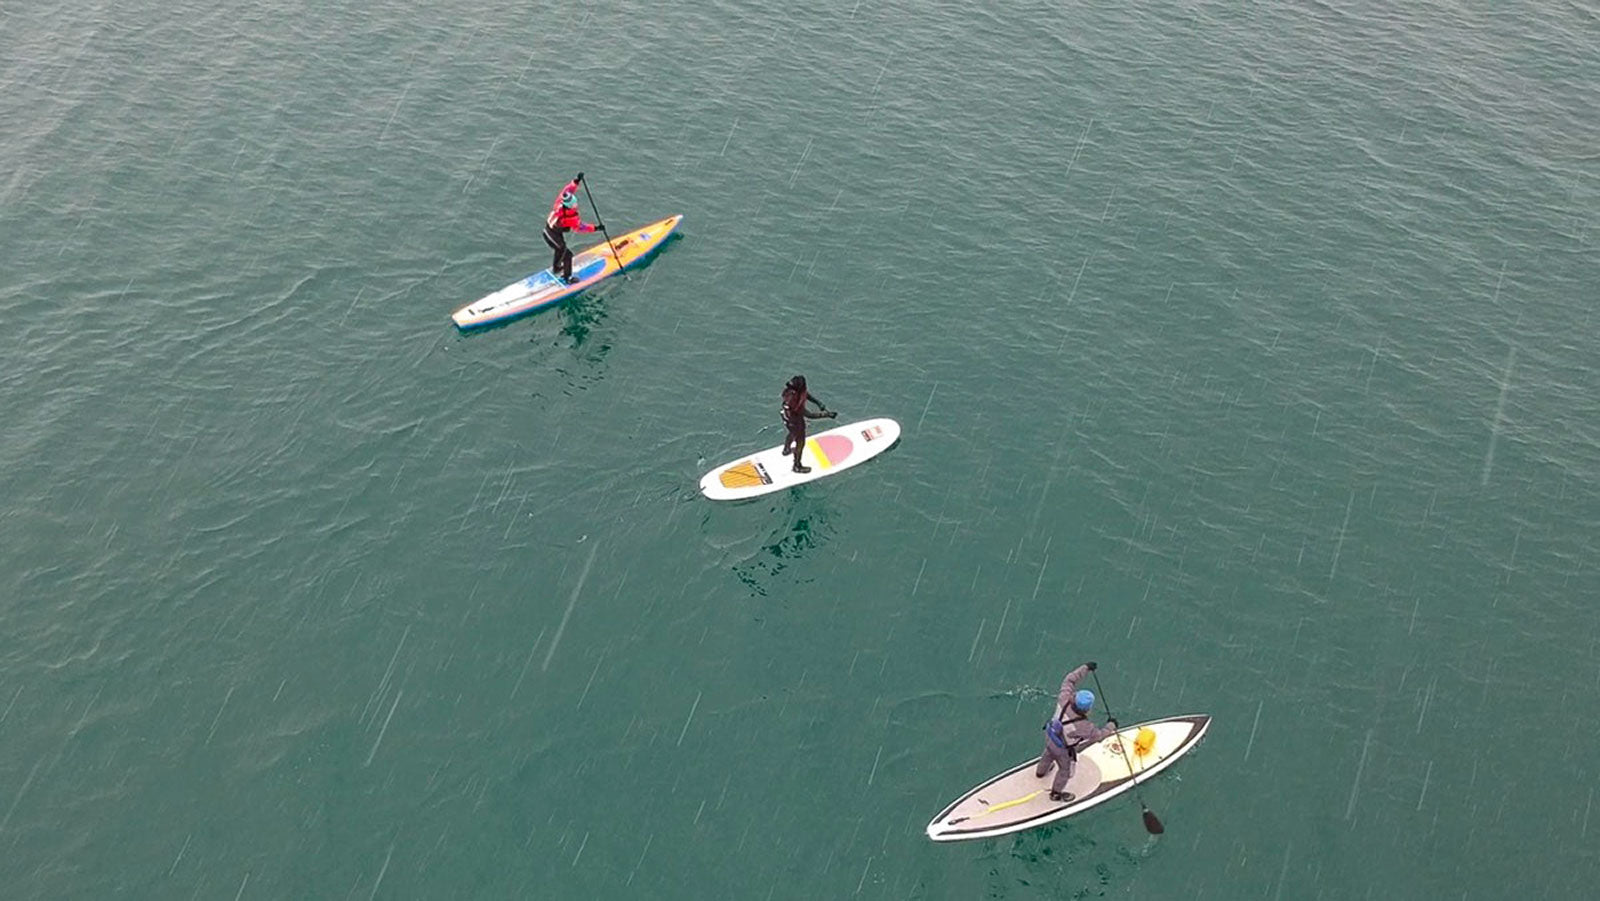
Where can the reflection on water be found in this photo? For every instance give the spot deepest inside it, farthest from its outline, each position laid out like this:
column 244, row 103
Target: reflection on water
column 578, row 317
column 807, row 530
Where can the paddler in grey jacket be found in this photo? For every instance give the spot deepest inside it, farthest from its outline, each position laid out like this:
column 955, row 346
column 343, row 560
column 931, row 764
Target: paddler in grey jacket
column 1068, row 730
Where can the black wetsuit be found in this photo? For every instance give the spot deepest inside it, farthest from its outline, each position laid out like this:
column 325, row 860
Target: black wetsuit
column 556, row 237
column 794, row 413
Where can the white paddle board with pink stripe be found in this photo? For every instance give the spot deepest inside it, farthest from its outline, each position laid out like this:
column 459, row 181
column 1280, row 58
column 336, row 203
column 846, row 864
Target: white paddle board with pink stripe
column 826, row 453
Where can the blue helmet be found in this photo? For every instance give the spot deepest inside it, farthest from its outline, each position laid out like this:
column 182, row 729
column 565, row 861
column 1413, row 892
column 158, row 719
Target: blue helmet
column 1083, row 701
column 569, row 199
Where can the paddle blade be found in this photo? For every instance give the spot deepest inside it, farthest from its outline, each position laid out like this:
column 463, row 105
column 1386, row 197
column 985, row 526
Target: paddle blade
column 1151, row 824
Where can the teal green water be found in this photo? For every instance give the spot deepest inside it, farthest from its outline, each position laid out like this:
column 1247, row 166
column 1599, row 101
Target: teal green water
column 1244, row 348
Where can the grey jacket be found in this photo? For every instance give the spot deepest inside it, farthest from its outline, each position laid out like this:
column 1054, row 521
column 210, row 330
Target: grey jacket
column 1075, row 729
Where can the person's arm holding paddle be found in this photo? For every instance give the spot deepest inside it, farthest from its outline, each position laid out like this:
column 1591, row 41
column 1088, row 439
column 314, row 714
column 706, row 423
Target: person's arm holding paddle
column 822, row 409
column 1069, row 684
column 1069, row 694
column 597, row 225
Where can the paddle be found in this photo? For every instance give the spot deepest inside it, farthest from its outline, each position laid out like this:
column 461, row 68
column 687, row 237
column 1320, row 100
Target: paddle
column 1151, row 823
column 602, row 223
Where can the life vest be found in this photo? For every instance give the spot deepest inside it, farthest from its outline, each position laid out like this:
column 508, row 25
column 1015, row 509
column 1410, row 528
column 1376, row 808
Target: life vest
column 562, row 218
column 795, row 408
column 1057, row 732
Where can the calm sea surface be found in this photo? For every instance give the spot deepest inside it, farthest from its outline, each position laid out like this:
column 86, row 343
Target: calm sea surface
column 1246, row 348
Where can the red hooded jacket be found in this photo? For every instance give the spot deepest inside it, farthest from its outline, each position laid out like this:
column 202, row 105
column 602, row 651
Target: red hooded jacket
column 566, row 218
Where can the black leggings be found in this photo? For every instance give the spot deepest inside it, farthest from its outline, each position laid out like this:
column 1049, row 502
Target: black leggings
column 561, row 263
column 796, row 436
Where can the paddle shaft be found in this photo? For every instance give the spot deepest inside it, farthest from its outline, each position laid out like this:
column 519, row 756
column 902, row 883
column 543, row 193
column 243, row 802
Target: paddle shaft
column 1152, row 824
column 592, row 206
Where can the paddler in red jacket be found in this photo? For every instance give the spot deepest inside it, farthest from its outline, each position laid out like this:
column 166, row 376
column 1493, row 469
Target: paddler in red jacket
column 794, row 413
column 562, row 219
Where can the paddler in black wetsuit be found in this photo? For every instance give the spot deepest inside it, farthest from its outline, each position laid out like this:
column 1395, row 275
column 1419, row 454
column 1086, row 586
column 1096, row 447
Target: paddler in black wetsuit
column 562, row 219
column 794, row 413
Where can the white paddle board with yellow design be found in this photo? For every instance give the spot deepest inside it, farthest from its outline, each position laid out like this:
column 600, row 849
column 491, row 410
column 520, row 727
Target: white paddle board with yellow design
column 1017, row 799
column 826, row 453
